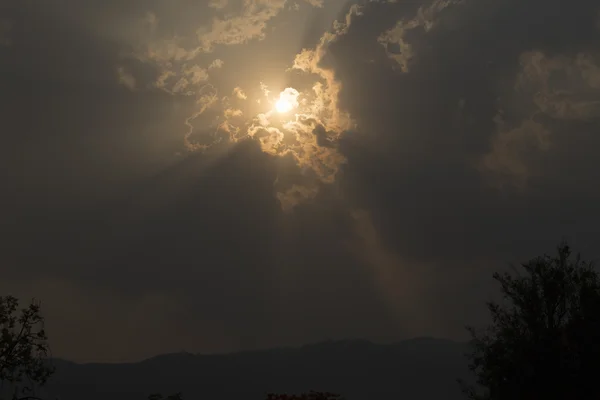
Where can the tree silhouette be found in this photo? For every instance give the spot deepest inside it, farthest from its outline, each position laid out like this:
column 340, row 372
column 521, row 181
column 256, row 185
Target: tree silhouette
column 543, row 342
column 158, row 396
column 312, row 395
column 23, row 349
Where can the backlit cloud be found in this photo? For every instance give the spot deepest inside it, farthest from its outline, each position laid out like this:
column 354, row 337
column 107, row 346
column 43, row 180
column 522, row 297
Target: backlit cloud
column 397, row 46
column 239, row 93
column 575, row 96
column 248, row 23
column 231, row 112
column 315, row 3
column 327, row 89
column 218, row 4
column 126, row 78
column 218, row 63
column 512, row 150
column 315, row 122
column 558, row 88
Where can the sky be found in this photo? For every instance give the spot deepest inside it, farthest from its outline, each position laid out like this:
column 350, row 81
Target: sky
column 224, row 175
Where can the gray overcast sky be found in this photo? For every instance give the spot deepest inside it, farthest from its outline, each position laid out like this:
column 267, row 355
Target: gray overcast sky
column 223, row 175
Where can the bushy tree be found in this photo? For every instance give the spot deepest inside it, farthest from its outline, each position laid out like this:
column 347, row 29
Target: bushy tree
column 543, row 341
column 24, row 363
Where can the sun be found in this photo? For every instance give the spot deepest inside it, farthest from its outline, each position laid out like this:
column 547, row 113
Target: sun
column 288, row 100
column 282, row 106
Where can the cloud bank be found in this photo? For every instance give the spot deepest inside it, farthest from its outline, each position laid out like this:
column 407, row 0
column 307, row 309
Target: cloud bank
column 421, row 146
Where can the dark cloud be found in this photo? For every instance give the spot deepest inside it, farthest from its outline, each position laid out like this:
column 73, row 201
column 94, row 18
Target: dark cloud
column 425, row 129
column 155, row 201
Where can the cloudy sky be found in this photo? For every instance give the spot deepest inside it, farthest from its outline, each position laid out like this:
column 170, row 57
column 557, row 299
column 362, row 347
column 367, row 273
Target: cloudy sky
column 238, row 174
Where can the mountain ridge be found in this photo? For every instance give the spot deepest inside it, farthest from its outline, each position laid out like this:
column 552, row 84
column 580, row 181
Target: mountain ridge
column 419, row 339
column 420, row 368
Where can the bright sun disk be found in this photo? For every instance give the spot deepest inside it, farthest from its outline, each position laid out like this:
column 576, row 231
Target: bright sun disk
column 288, row 100
column 283, row 106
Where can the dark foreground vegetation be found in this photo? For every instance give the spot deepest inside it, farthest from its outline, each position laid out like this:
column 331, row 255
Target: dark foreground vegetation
column 542, row 342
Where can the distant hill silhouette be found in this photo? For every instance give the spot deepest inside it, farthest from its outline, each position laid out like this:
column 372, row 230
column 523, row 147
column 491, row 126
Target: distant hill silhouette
column 417, row 369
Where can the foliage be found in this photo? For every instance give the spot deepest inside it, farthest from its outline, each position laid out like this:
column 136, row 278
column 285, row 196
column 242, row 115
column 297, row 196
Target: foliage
column 312, row 395
column 542, row 342
column 23, row 348
column 158, row 396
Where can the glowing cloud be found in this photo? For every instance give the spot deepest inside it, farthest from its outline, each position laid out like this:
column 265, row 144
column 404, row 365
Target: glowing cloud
column 304, row 128
column 425, row 19
column 327, row 90
column 126, row 78
column 218, row 63
column 239, row 93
